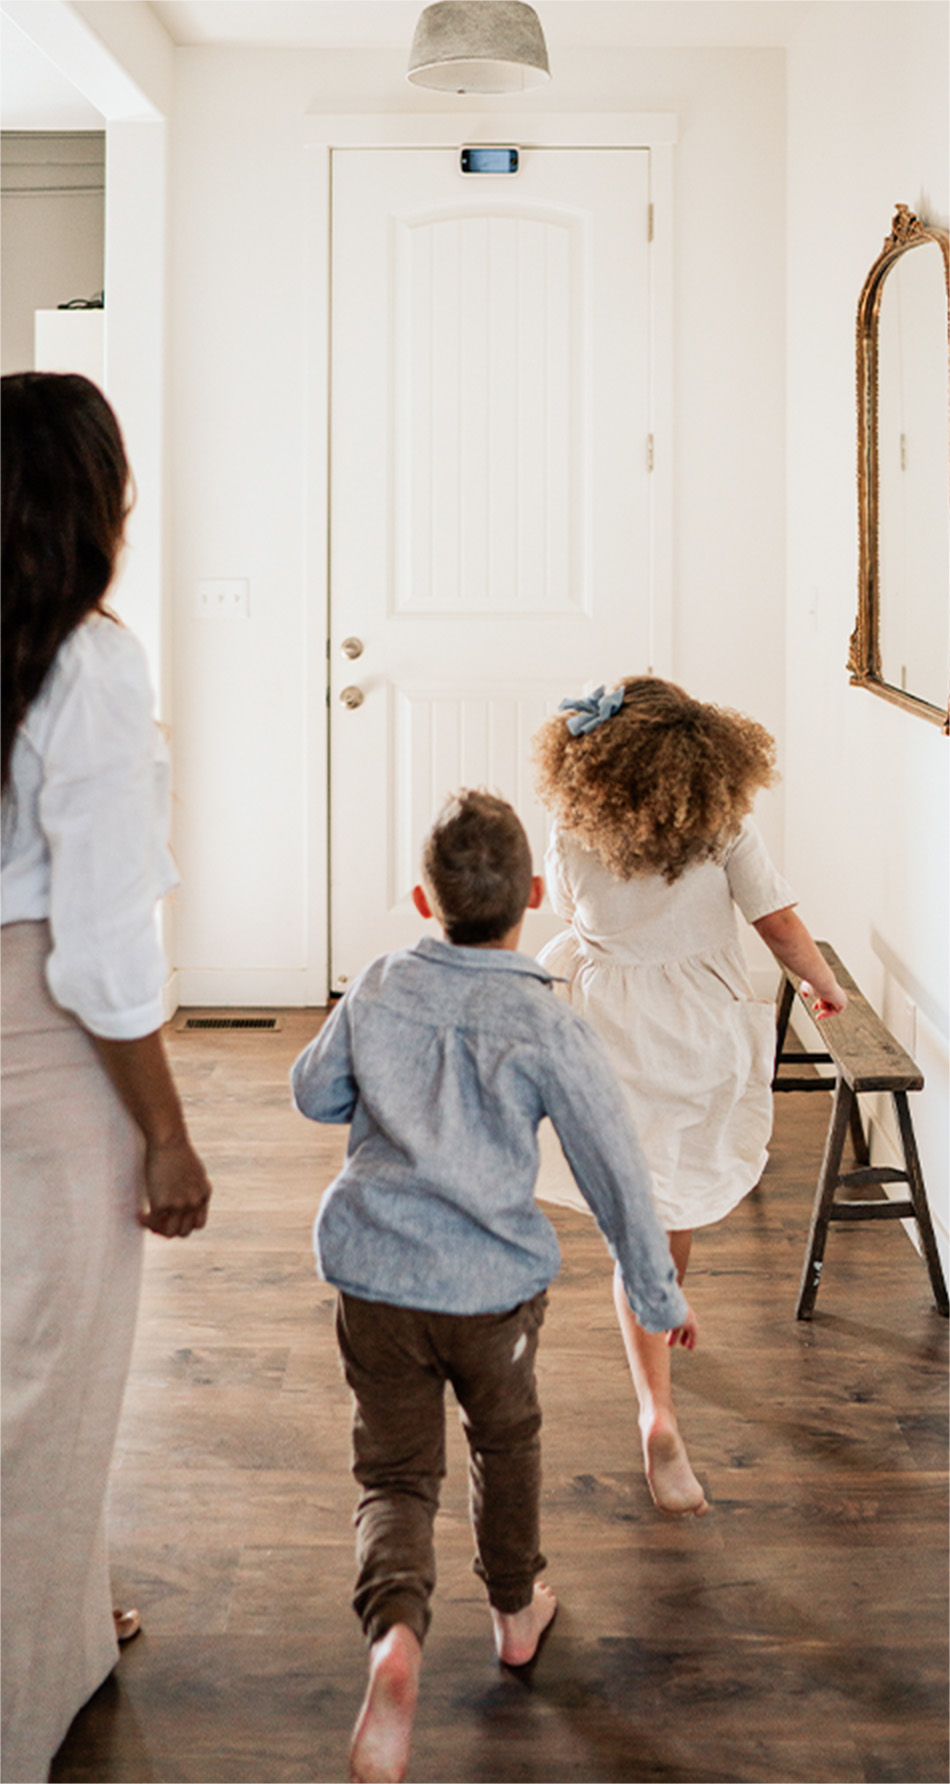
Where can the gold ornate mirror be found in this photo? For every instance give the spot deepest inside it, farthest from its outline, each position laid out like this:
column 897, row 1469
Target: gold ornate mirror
column 900, row 648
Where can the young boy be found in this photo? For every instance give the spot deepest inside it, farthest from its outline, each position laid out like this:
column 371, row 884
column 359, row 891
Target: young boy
column 444, row 1058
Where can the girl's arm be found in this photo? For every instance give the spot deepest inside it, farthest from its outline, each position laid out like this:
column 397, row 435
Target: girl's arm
column 793, row 947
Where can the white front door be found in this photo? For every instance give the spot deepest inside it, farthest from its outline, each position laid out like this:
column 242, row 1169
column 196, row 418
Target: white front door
column 490, row 492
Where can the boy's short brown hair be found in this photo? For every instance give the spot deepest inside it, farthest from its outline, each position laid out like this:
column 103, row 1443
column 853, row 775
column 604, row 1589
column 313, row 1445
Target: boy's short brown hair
column 476, row 864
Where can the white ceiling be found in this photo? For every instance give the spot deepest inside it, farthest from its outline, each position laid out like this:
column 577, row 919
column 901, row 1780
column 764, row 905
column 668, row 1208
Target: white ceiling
column 388, row 24
column 33, row 93
column 35, row 96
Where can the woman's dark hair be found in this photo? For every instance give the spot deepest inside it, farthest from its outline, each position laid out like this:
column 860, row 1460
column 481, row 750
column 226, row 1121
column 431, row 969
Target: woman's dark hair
column 65, row 500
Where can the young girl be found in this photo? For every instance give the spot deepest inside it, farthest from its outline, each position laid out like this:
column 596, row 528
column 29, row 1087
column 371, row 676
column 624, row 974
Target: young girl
column 651, row 849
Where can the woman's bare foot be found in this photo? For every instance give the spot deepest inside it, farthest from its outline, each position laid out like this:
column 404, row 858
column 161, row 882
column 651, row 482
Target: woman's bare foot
column 672, row 1483
column 517, row 1634
column 379, row 1751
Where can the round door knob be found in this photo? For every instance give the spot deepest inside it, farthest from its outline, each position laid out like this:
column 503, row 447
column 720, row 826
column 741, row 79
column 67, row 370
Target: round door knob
column 352, row 647
column 352, row 697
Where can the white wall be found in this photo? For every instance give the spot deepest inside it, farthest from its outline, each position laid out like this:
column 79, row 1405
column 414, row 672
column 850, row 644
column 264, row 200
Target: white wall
column 248, row 919
column 867, row 784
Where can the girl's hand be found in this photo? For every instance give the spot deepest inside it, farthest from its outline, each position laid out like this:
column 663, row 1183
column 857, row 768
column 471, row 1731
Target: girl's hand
column 686, row 1334
column 830, row 1005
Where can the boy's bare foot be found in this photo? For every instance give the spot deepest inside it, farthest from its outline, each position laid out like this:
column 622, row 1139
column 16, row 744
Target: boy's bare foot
column 379, row 1751
column 672, row 1483
column 517, row 1634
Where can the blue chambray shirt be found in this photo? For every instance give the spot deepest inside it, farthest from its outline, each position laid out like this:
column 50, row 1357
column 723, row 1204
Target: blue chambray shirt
column 444, row 1060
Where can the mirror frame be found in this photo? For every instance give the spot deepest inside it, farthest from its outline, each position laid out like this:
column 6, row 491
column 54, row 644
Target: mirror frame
column 864, row 659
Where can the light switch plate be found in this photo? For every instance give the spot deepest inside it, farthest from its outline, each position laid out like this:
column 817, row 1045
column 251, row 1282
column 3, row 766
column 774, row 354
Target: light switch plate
column 223, row 599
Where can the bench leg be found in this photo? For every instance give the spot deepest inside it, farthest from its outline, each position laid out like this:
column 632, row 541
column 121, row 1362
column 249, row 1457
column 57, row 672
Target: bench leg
column 824, row 1196
column 783, row 1010
column 919, row 1199
column 858, row 1136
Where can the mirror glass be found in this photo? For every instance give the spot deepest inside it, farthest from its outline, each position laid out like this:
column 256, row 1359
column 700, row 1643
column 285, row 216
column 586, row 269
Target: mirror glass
column 913, row 511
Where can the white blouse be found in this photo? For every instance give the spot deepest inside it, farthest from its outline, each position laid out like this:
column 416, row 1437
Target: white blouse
column 85, row 827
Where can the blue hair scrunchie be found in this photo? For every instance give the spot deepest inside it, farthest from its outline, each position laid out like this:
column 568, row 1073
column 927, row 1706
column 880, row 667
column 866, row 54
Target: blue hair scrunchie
column 592, row 710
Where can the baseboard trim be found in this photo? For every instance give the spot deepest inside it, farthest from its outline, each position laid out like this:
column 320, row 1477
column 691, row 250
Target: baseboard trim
column 242, row 988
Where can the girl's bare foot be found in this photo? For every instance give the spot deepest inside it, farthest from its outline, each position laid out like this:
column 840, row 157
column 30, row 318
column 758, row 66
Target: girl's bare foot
column 517, row 1634
column 379, row 1751
column 672, row 1483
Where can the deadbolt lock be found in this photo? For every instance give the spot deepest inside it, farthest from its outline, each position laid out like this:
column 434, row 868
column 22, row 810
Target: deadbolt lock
column 352, row 647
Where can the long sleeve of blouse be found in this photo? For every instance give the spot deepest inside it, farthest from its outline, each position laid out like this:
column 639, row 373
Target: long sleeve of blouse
column 85, row 845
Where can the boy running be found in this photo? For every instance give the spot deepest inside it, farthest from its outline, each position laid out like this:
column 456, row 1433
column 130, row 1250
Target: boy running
column 444, row 1058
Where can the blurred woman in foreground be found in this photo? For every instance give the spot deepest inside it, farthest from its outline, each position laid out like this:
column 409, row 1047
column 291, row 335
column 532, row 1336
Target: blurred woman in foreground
column 94, row 1141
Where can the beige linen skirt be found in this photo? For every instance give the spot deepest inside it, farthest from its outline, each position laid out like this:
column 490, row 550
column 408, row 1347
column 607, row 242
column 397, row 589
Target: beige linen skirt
column 72, row 1252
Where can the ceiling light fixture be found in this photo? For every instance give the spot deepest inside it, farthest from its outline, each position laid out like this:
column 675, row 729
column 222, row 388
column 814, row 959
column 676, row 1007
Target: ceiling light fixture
column 479, row 46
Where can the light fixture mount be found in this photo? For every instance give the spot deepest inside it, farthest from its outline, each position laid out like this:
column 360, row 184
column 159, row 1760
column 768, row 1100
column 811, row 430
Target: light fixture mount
column 479, row 46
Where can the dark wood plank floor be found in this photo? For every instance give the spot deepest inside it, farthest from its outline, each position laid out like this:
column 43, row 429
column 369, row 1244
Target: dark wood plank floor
column 799, row 1632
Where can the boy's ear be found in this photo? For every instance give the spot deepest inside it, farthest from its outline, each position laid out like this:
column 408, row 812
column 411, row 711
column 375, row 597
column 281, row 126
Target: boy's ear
column 421, row 902
column 537, row 893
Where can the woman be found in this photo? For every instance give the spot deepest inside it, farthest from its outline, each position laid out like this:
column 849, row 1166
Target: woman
column 94, row 1141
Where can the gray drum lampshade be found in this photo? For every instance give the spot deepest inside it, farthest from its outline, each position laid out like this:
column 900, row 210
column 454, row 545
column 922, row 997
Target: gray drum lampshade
column 479, row 46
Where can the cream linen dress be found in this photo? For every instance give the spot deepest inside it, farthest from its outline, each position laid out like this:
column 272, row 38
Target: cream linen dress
column 659, row 971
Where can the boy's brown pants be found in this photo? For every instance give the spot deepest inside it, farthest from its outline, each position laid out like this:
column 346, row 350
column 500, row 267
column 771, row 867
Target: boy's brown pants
column 397, row 1361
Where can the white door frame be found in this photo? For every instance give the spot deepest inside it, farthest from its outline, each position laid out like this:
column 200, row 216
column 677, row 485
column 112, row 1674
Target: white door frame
column 655, row 131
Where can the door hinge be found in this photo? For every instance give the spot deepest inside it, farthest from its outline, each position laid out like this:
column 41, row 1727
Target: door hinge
column 649, row 222
column 650, row 452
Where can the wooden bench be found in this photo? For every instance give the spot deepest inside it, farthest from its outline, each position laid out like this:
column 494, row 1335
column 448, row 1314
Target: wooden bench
column 866, row 1057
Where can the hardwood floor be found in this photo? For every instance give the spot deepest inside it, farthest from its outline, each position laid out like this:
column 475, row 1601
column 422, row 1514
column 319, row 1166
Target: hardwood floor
column 798, row 1632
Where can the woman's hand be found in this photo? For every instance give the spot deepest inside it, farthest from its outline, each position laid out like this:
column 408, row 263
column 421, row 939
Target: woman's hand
column 177, row 1188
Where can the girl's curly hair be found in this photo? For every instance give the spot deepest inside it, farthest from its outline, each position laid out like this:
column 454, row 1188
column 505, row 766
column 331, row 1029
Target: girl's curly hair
column 662, row 785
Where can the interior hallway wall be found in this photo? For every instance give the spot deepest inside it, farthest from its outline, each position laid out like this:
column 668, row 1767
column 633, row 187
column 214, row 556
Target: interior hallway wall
column 247, row 913
column 867, row 784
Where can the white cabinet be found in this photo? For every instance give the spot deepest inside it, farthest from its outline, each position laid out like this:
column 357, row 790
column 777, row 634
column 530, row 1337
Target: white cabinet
column 70, row 341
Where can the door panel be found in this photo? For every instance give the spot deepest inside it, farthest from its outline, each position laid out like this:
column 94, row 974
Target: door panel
column 490, row 366
column 490, row 513
column 443, row 738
